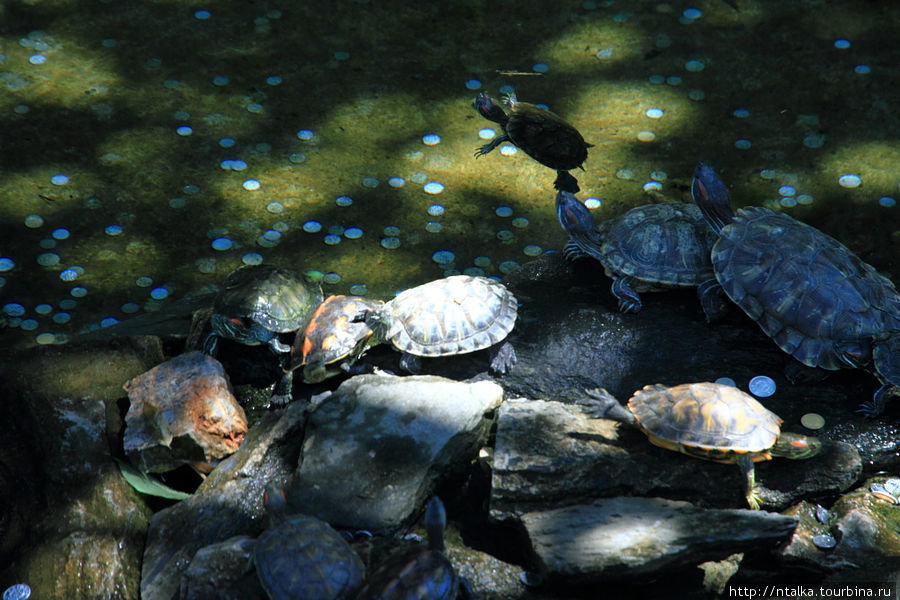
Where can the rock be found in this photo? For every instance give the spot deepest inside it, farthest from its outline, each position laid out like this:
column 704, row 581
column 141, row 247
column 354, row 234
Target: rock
column 867, row 531
column 631, row 538
column 182, row 412
column 223, row 571
column 375, row 447
column 549, row 452
column 227, row 503
column 85, row 524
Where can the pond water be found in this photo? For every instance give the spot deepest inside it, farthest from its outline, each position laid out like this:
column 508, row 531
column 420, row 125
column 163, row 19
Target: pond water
column 149, row 148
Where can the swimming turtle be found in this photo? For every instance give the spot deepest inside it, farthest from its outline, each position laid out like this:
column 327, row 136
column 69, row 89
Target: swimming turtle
column 300, row 556
column 710, row 421
column 258, row 302
column 808, row 292
column 540, row 134
column 649, row 248
column 453, row 315
column 331, row 337
column 419, row 573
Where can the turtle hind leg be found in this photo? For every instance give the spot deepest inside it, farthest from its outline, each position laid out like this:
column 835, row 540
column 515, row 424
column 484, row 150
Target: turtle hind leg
column 629, row 300
column 410, row 363
column 566, row 182
column 503, row 358
column 600, row 404
column 486, row 148
column 751, row 490
column 712, row 300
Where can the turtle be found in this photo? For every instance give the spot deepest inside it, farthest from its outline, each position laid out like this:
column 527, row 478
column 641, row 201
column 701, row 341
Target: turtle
column 300, row 556
column 454, row 315
column 259, row 302
column 331, row 336
column 649, row 248
column 812, row 295
column 540, row 134
column 711, row 421
column 421, row 573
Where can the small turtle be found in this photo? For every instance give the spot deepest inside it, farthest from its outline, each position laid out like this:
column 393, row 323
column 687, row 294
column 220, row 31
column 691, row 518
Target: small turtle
column 303, row 557
column 331, row 336
column 454, row 315
column 808, row 292
column 649, row 248
column 258, row 302
column 710, row 421
column 539, row 133
column 419, row 573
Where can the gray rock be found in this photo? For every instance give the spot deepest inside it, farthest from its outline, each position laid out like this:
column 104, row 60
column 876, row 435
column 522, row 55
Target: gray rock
column 182, row 412
column 629, row 538
column 227, row 503
column 375, row 447
column 867, row 531
column 223, row 571
column 87, row 524
column 549, row 452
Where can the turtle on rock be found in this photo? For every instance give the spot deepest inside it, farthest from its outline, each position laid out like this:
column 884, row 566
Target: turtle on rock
column 259, row 302
column 808, row 292
column 649, row 248
column 300, row 556
column 422, row 573
column 454, row 315
column 540, row 134
column 710, row 421
column 330, row 344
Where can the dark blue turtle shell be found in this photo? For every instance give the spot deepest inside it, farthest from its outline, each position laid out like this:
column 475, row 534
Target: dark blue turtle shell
column 816, row 299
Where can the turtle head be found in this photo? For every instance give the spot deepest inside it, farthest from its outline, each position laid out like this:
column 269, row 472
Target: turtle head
column 712, row 197
column 489, row 109
column 796, row 446
column 575, row 218
column 435, row 523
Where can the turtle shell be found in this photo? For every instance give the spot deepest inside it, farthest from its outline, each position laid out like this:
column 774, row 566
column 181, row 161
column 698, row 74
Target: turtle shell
column 661, row 244
column 544, row 136
column 806, row 290
column 332, row 334
column 303, row 557
column 707, row 420
column 454, row 315
column 270, row 297
column 417, row 574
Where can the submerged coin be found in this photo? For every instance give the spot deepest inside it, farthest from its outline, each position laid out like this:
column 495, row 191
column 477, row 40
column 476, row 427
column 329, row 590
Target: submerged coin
column 824, row 541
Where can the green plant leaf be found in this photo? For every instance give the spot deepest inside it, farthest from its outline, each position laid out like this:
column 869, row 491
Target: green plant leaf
column 148, row 485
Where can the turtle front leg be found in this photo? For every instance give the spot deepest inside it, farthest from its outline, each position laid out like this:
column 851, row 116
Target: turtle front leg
column 874, row 407
column 751, row 491
column 283, row 392
column 629, row 301
column 482, row 150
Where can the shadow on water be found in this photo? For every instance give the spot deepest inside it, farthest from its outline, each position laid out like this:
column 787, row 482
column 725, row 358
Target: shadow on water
column 370, row 79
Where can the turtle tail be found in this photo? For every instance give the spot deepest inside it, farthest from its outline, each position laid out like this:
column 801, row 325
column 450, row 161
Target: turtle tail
column 712, row 198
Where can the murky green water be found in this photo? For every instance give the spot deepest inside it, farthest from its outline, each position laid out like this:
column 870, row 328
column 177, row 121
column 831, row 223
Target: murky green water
column 97, row 91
